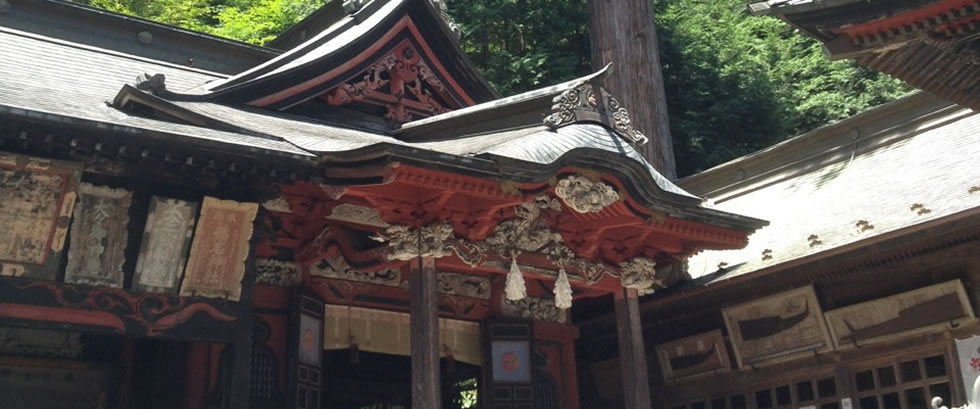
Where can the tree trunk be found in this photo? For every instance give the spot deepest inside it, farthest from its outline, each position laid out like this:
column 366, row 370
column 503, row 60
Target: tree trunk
column 622, row 32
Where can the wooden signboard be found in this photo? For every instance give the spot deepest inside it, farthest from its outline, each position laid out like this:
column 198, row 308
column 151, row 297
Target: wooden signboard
column 777, row 328
column 221, row 245
column 699, row 355
column 98, row 236
column 38, row 198
column 926, row 309
column 165, row 245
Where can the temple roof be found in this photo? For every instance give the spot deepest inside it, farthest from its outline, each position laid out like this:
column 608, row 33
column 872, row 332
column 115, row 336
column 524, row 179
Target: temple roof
column 348, row 46
column 931, row 44
column 527, row 138
column 54, row 80
column 899, row 168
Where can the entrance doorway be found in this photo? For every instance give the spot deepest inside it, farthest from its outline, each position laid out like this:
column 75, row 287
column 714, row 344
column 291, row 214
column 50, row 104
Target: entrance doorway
column 368, row 380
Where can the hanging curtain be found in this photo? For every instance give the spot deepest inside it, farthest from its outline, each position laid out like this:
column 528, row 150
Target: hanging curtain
column 389, row 332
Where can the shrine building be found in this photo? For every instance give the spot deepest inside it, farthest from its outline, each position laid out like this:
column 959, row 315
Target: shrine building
column 349, row 218
column 862, row 292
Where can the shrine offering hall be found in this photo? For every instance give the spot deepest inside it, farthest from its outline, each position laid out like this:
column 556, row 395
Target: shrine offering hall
column 352, row 218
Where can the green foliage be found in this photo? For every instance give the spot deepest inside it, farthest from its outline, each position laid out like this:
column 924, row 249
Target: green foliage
column 252, row 21
column 735, row 83
column 521, row 45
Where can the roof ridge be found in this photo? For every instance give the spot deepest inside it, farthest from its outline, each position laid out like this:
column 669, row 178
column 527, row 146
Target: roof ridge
column 915, row 107
column 105, row 51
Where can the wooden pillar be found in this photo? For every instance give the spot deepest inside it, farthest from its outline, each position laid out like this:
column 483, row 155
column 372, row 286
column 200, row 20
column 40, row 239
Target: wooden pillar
column 424, row 308
column 623, row 33
column 240, row 388
column 196, row 377
column 632, row 353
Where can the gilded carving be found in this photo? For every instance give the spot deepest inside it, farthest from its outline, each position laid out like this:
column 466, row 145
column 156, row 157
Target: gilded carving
column 99, row 236
column 337, row 268
column 405, row 243
column 38, row 197
column 351, row 213
column 640, row 273
column 534, row 308
column 165, row 245
column 221, row 245
column 277, row 273
column 584, row 195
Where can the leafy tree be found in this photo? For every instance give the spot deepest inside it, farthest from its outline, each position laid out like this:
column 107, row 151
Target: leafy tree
column 737, row 83
column 252, row 21
column 521, row 45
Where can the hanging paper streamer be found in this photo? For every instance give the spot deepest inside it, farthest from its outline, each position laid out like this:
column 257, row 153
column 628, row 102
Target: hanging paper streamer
column 563, row 291
column 515, row 289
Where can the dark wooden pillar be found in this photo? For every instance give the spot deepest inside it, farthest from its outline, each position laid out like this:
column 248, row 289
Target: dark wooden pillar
column 424, row 308
column 623, row 33
column 632, row 353
column 240, row 387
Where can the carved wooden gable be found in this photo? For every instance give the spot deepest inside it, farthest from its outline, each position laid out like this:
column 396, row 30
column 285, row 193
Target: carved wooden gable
column 401, row 82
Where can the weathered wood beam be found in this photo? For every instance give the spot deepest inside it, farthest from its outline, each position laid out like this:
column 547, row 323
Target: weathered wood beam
column 632, row 353
column 424, row 311
column 623, row 33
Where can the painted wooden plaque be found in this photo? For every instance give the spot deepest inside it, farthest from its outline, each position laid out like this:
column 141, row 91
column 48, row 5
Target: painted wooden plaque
column 165, row 245
column 908, row 313
column 778, row 327
column 511, row 361
column 99, row 236
column 38, row 196
column 699, row 355
column 221, row 245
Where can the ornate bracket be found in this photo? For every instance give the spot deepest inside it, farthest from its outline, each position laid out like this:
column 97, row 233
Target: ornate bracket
column 591, row 103
column 640, row 273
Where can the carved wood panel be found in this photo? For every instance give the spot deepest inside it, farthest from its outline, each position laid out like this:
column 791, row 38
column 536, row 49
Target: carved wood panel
column 98, row 236
column 38, row 198
column 221, row 245
column 165, row 245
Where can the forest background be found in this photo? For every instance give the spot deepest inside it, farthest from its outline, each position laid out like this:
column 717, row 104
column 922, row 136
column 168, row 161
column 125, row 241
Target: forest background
column 735, row 83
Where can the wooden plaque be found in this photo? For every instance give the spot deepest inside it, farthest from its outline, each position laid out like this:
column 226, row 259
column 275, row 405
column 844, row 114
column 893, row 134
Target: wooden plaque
column 38, row 198
column 908, row 313
column 778, row 327
column 699, row 355
column 165, row 245
column 221, row 245
column 98, row 236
